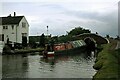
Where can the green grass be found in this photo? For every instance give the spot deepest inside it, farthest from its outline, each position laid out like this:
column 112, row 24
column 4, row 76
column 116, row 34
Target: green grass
column 29, row 50
column 107, row 64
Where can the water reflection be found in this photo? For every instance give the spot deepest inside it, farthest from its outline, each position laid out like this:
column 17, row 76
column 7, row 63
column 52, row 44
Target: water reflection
column 14, row 66
column 0, row 66
column 35, row 66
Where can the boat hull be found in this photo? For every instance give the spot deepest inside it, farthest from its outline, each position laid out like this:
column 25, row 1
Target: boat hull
column 77, row 50
column 50, row 54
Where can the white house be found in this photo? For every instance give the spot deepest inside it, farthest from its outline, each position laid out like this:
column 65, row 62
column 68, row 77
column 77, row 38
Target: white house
column 13, row 28
column 0, row 33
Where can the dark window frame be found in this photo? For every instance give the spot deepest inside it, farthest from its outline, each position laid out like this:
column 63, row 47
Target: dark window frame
column 5, row 27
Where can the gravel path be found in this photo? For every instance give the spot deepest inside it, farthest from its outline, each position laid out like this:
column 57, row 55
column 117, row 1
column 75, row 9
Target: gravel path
column 118, row 45
column 115, row 44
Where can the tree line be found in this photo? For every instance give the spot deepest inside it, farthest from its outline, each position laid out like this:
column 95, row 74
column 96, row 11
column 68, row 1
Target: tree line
column 40, row 41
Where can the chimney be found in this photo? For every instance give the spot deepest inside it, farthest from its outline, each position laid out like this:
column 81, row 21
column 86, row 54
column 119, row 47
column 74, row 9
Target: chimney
column 14, row 14
column 9, row 15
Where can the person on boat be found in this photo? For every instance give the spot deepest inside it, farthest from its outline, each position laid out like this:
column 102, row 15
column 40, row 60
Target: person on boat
column 52, row 45
column 46, row 50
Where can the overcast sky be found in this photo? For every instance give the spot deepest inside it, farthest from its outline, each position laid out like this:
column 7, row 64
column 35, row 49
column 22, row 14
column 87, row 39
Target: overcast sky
column 63, row 15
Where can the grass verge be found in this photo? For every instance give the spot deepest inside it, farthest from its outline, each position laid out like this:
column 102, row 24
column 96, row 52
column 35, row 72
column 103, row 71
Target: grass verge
column 107, row 64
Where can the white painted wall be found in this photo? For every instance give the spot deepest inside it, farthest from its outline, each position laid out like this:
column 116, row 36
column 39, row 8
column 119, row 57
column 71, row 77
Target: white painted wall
column 9, row 33
column 23, row 30
column 0, row 32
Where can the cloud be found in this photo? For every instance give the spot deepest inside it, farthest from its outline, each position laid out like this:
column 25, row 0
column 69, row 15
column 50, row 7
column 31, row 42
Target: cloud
column 64, row 15
column 104, row 21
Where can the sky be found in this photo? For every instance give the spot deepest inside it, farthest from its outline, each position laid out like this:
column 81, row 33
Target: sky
column 64, row 15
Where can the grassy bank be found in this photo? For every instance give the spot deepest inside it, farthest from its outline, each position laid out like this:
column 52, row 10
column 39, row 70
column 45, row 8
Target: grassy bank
column 107, row 63
column 20, row 51
column 23, row 51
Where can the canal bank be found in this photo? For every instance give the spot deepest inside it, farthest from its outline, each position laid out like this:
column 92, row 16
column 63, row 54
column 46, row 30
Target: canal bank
column 22, row 51
column 108, row 62
column 29, row 50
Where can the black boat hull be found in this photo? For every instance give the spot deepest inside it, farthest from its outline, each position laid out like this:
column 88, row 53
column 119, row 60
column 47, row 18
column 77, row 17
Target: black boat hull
column 77, row 50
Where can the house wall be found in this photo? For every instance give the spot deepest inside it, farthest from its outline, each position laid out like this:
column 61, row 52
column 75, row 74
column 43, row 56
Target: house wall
column 23, row 30
column 0, row 33
column 9, row 33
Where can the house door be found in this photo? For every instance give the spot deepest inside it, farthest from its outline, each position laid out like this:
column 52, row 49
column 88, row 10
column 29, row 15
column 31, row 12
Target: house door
column 24, row 41
column 2, row 37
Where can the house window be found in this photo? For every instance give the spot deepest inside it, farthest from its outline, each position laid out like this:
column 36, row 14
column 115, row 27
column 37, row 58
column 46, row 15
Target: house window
column 23, row 24
column 5, row 27
column 12, row 27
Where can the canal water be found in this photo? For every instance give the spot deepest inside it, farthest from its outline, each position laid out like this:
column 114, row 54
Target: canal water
column 35, row 66
column 0, row 66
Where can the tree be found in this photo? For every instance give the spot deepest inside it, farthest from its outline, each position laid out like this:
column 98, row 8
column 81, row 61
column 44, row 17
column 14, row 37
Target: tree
column 42, row 40
column 73, row 32
column 96, row 32
column 33, row 40
column 118, row 37
column 78, row 30
column 107, row 36
column 55, row 38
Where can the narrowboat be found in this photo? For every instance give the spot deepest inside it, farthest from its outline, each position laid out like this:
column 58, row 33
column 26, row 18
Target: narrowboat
column 73, row 47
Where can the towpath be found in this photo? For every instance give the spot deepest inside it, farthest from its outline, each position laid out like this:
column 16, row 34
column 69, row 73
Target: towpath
column 118, row 45
column 115, row 44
